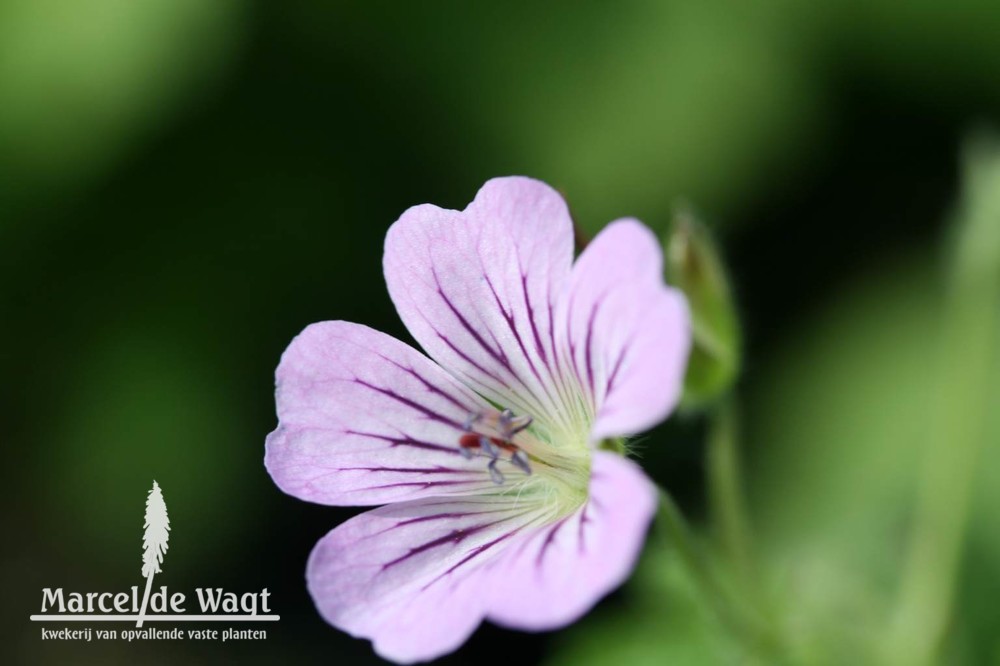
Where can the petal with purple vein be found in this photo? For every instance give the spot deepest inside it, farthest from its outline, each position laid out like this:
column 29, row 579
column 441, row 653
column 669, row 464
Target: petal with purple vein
column 476, row 289
column 555, row 574
column 413, row 577
column 365, row 419
column 626, row 334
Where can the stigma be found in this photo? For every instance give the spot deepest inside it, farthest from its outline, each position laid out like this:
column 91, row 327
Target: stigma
column 492, row 435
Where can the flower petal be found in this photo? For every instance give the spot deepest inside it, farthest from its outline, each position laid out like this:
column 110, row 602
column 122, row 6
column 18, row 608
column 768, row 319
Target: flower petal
column 558, row 573
column 477, row 288
column 366, row 419
column 627, row 334
column 412, row 577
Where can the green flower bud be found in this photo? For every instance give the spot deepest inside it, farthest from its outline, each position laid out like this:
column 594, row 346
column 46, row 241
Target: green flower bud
column 693, row 265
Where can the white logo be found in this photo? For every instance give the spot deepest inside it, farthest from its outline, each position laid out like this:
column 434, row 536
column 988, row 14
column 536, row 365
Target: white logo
column 154, row 541
column 214, row 604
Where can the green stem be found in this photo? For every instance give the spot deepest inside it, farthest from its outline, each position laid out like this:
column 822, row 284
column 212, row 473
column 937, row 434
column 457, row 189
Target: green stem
column 727, row 502
column 726, row 496
column 679, row 536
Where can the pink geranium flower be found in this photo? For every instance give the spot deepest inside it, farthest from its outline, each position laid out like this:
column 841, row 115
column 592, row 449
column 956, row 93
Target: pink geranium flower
column 501, row 502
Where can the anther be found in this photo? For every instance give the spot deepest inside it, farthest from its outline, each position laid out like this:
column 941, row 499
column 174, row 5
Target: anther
column 488, row 448
column 510, row 425
column 471, row 420
column 520, row 460
column 495, row 474
column 504, row 426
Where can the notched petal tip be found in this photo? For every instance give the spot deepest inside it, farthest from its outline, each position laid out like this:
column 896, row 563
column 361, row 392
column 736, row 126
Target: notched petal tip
column 476, row 288
column 523, row 191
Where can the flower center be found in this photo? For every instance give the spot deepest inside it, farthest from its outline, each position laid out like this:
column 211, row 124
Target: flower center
column 501, row 429
column 560, row 473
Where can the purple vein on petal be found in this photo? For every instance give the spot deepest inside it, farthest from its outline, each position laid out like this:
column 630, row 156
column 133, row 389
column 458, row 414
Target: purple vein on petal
column 468, row 359
column 583, row 521
column 433, row 388
column 454, row 537
column 571, row 340
column 552, row 335
column 617, row 366
column 549, row 539
column 405, row 441
column 498, row 357
column 531, row 320
column 424, row 484
column 497, row 354
column 557, row 371
column 588, row 351
column 405, row 470
column 475, row 552
column 443, row 516
column 509, row 318
column 430, row 413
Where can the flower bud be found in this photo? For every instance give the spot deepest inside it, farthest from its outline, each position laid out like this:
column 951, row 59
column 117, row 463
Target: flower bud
column 693, row 265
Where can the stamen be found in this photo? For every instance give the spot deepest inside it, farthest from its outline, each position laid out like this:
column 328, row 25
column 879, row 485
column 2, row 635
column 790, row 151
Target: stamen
column 487, row 446
column 505, row 425
column 510, row 425
column 495, row 474
column 520, row 460
column 474, row 418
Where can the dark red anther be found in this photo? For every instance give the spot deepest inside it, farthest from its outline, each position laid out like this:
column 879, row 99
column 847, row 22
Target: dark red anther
column 470, row 440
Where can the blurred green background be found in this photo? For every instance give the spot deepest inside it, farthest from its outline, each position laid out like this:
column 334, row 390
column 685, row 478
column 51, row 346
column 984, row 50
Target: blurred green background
column 185, row 184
